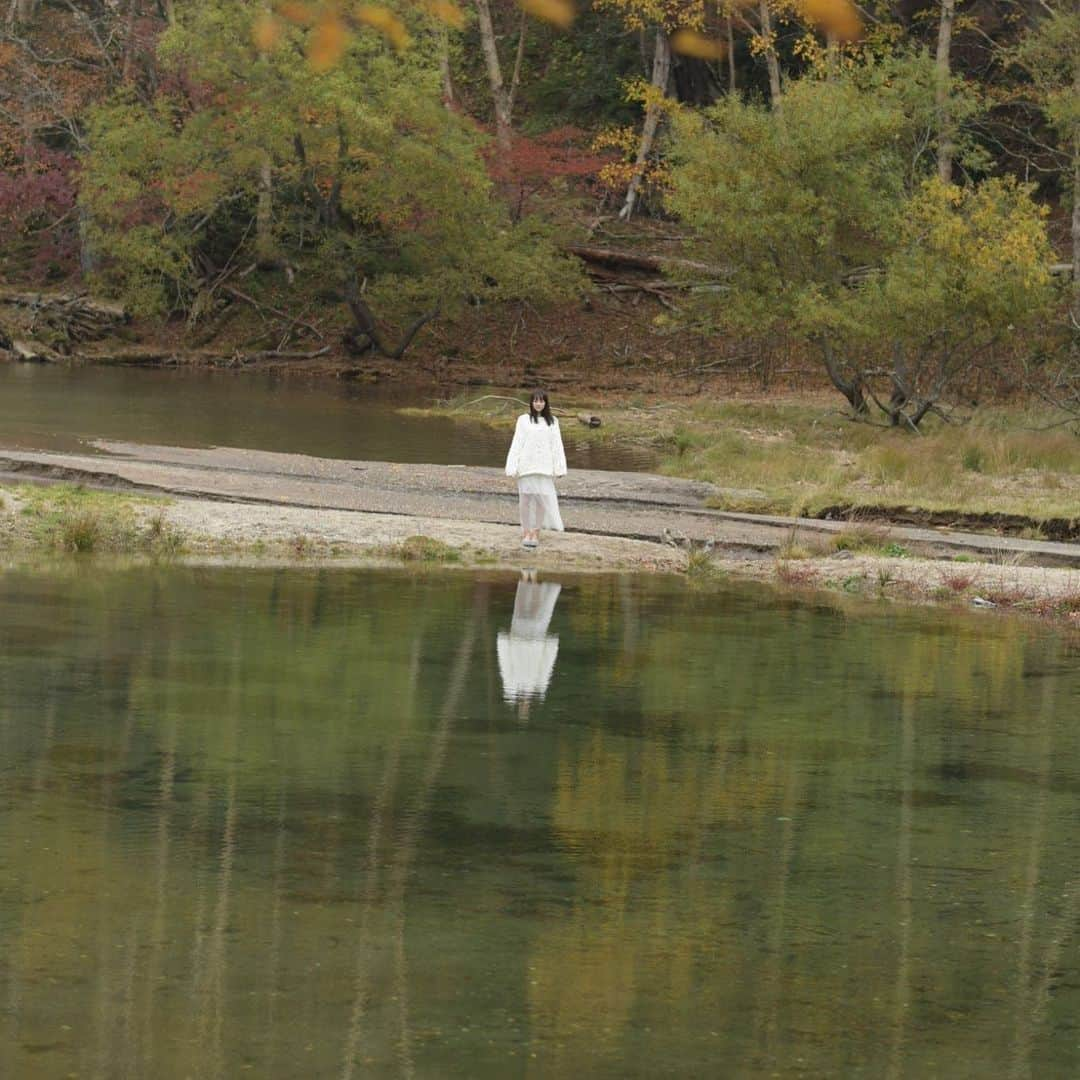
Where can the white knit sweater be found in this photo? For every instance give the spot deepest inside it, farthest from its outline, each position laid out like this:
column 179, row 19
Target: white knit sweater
column 537, row 448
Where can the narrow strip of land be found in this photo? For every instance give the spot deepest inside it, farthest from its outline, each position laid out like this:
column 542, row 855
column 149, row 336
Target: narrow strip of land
column 630, row 506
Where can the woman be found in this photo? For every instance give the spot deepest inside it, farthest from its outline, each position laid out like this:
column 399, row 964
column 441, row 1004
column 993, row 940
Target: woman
column 536, row 457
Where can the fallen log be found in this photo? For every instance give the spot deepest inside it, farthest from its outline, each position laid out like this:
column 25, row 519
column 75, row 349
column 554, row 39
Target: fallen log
column 155, row 356
column 33, row 352
column 75, row 303
column 635, row 260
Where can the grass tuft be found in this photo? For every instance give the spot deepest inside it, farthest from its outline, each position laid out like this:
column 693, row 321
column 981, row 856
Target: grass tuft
column 869, row 539
column 701, row 569
column 424, row 549
column 82, row 531
column 83, row 521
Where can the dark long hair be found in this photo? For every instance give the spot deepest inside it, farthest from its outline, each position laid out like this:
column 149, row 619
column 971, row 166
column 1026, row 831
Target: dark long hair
column 545, row 412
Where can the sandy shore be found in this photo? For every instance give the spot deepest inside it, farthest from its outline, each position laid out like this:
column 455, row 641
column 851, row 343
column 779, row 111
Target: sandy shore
column 256, row 506
column 213, row 527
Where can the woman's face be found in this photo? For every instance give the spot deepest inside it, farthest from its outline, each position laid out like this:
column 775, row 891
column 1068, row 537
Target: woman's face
column 538, row 404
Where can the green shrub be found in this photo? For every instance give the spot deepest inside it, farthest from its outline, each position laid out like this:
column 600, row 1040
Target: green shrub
column 973, row 459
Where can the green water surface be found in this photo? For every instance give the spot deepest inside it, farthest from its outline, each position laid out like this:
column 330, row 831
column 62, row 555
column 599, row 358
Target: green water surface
column 341, row 823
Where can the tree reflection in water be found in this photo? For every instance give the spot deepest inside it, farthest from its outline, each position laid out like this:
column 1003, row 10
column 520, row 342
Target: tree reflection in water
column 281, row 822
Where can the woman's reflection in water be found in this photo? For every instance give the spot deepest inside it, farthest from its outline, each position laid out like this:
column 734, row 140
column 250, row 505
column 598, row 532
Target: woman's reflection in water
column 527, row 654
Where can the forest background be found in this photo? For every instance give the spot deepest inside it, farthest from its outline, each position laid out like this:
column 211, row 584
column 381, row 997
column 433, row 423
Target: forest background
column 792, row 195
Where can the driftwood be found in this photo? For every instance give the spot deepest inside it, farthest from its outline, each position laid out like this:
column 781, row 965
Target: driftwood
column 589, row 419
column 34, row 352
column 48, row 326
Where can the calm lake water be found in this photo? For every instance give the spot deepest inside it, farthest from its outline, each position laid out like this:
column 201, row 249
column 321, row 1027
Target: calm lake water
column 338, row 823
column 48, row 407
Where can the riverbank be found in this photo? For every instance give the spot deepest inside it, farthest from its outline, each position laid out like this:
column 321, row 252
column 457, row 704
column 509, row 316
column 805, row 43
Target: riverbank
column 818, row 558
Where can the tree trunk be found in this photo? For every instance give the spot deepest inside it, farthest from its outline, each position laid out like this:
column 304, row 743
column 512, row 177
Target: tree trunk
column 499, row 96
column 636, row 260
column 832, row 55
column 772, row 62
column 22, row 11
column 365, row 333
column 730, row 56
column 946, row 146
column 444, row 68
column 660, row 73
column 129, row 41
column 853, row 389
column 519, row 57
column 264, row 212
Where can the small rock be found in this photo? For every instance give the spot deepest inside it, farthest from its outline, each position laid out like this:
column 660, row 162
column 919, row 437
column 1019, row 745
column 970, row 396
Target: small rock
column 978, row 601
column 845, row 554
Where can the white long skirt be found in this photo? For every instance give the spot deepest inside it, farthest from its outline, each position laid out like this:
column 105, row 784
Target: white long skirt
column 539, row 503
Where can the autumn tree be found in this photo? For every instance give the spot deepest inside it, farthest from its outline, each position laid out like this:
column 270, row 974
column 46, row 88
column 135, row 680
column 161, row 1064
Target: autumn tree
column 1051, row 55
column 663, row 18
column 967, row 270
column 55, row 62
column 824, row 219
column 374, row 182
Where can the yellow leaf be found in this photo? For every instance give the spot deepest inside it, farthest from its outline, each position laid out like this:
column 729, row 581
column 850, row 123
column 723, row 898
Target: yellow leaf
column 558, row 12
column 838, row 17
column 386, row 22
column 301, row 14
column 327, row 43
column 446, row 12
column 691, row 43
column 265, row 32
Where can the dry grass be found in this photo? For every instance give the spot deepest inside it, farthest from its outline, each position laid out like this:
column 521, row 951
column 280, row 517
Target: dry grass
column 701, row 568
column 804, row 456
column 957, row 583
column 796, row 574
column 860, row 538
column 804, row 459
column 83, row 521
